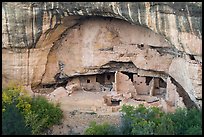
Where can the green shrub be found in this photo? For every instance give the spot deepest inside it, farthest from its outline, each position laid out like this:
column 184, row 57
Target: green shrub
column 38, row 114
column 125, row 125
column 142, row 120
column 165, row 127
column 100, row 129
column 15, row 102
column 152, row 121
column 194, row 130
column 16, row 93
column 187, row 121
column 13, row 122
column 46, row 110
column 146, row 121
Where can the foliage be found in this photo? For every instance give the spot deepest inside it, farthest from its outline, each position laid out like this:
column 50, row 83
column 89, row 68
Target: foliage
column 165, row 127
column 187, row 121
column 152, row 121
column 35, row 122
column 16, row 93
column 13, row 122
column 147, row 121
column 35, row 113
column 100, row 129
column 126, row 125
column 15, row 102
column 143, row 120
column 44, row 114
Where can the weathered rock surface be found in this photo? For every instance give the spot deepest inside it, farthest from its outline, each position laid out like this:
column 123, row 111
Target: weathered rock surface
column 189, row 75
column 180, row 23
column 159, row 39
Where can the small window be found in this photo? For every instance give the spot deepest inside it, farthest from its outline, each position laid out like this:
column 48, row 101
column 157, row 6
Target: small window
column 162, row 83
column 88, row 81
column 108, row 77
column 148, row 79
column 191, row 57
column 140, row 46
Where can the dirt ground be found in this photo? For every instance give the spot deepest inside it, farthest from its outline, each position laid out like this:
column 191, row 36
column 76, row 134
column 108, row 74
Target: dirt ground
column 80, row 109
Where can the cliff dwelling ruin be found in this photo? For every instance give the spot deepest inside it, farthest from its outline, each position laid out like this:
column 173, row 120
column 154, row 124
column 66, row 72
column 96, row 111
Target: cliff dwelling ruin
column 127, row 63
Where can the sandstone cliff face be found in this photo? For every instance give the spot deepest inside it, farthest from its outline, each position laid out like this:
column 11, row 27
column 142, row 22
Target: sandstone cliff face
column 160, row 39
column 24, row 23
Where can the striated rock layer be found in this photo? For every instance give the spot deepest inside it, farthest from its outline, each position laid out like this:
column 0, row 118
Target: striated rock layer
column 162, row 39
